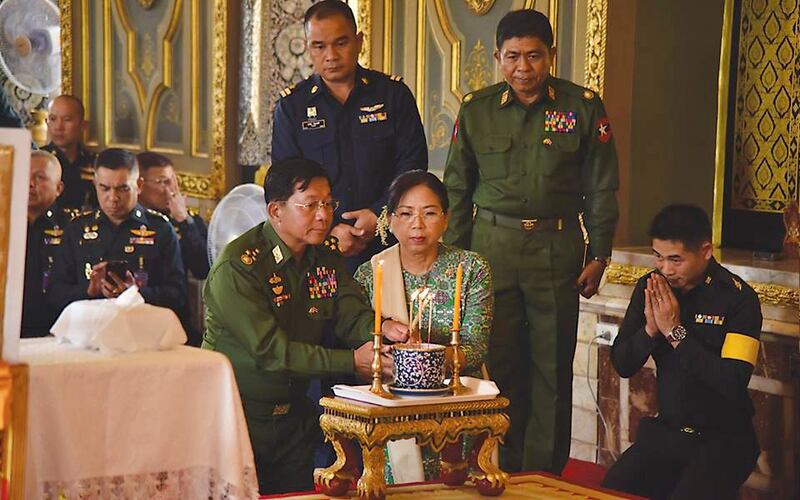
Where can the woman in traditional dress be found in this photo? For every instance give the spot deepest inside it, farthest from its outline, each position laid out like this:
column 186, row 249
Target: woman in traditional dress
column 417, row 216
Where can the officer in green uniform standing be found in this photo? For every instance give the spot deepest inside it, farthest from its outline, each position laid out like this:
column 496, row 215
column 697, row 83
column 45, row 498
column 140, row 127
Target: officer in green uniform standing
column 528, row 156
column 269, row 296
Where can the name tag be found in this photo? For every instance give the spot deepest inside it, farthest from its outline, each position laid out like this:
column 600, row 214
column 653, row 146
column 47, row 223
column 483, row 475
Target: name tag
column 313, row 124
column 142, row 240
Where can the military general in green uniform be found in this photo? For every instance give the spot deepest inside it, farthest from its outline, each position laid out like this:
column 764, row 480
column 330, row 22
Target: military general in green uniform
column 269, row 296
column 528, row 156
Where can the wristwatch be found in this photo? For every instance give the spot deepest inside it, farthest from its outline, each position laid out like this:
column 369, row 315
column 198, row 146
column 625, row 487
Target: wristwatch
column 677, row 334
column 602, row 260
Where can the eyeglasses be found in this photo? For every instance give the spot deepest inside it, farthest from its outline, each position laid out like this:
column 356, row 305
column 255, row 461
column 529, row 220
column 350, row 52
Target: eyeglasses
column 161, row 182
column 429, row 216
column 331, row 205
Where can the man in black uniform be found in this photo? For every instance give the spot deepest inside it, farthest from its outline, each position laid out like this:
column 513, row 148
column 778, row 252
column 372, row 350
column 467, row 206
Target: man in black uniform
column 8, row 116
column 46, row 223
column 701, row 324
column 160, row 192
column 65, row 124
column 361, row 125
column 121, row 230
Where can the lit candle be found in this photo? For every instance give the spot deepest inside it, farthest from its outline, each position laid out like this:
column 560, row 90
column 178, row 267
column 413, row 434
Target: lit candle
column 376, row 295
column 457, row 299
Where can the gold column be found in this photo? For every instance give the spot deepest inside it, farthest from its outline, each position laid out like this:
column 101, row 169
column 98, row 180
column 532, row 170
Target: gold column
column 722, row 123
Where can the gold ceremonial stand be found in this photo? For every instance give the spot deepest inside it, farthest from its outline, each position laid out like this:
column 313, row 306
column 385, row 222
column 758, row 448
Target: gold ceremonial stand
column 348, row 424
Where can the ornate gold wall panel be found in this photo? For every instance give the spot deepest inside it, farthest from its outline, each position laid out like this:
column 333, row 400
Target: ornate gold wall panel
column 153, row 76
column 767, row 117
column 595, row 65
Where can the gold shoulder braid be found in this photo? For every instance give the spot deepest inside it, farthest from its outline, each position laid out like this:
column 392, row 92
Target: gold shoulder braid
column 382, row 226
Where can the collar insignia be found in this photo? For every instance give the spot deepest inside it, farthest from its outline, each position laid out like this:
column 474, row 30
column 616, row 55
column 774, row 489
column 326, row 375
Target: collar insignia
column 504, row 98
column 277, row 254
column 314, row 89
column 551, row 92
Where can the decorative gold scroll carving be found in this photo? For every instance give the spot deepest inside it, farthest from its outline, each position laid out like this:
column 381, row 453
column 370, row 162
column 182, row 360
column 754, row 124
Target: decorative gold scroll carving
column 65, row 8
column 768, row 293
column 364, row 20
column 595, row 64
column 480, row 7
column 217, row 178
column 477, row 68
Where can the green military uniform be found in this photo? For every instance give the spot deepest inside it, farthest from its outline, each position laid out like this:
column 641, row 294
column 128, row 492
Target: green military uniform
column 267, row 313
column 517, row 178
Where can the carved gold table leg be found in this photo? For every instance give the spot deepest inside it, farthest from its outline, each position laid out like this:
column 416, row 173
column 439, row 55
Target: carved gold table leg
column 454, row 466
column 371, row 485
column 335, row 480
column 490, row 480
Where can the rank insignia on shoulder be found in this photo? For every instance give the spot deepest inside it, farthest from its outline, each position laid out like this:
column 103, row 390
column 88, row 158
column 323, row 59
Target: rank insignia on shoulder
column 193, row 211
column 332, row 243
column 373, row 117
column 313, row 124
column 288, row 90
column 249, row 256
column 737, row 284
column 709, row 319
column 588, row 94
column 158, row 214
column 395, row 78
column 562, row 122
column 322, row 283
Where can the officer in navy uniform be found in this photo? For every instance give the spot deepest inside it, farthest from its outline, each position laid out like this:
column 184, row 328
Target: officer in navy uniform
column 65, row 125
column 46, row 223
column 701, row 324
column 361, row 125
column 121, row 230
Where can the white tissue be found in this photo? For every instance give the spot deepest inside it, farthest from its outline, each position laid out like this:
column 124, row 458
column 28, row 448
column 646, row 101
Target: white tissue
column 124, row 324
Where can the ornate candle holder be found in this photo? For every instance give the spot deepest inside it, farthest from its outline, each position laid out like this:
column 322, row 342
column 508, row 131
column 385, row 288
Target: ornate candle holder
column 377, row 382
column 456, row 387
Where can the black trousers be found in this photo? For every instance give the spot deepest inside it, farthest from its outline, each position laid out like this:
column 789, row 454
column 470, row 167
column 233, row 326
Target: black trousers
column 669, row 463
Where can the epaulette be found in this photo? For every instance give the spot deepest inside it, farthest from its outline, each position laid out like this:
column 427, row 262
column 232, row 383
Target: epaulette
column 193, row 211
column 395, row 78
column 158, row 214
column 332, row 244
column 288, row 90
column 250, row 256
column 588, row 94
column 484, row 92
column 736, row 283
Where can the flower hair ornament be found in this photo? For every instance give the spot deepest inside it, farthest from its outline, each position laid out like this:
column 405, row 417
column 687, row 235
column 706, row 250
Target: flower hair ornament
column 382, row 226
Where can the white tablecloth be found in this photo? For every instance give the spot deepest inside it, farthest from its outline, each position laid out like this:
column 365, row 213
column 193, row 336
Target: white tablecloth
column 165, row 424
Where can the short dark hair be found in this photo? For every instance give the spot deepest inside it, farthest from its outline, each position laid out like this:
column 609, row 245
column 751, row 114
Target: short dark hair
column 688, row 224
column 117, row 158
column 330, row 8
column 282, row 178
column 409, row 180
column 149, row 159
column 76, row 101
column 522, row 23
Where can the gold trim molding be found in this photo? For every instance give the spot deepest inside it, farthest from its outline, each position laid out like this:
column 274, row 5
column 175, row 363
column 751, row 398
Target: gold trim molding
column 364, row 21
column 768, row 293
column 722, row 124
column 596, row 27
column 65, row 8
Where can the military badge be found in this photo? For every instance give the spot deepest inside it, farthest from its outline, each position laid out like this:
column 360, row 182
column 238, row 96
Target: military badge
column 90, row 232
column 53, row 236
column 562, row 122
column 314, row 89
column 551, row 93
column 249, row 256
column 364, row 80
column 709, row 319
column 311, row 112
column 588, row 94
column 322, row 283
column 87, row 271
column 547, row 141
column 371, row 109
column 737, row 284
column 313, row 124
column 276, row 283
column 603, row 130
column 504, row 98
column 142, row 236
column 277, row 254
column 373, row 117
column 312, row 310
column 129, row 248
